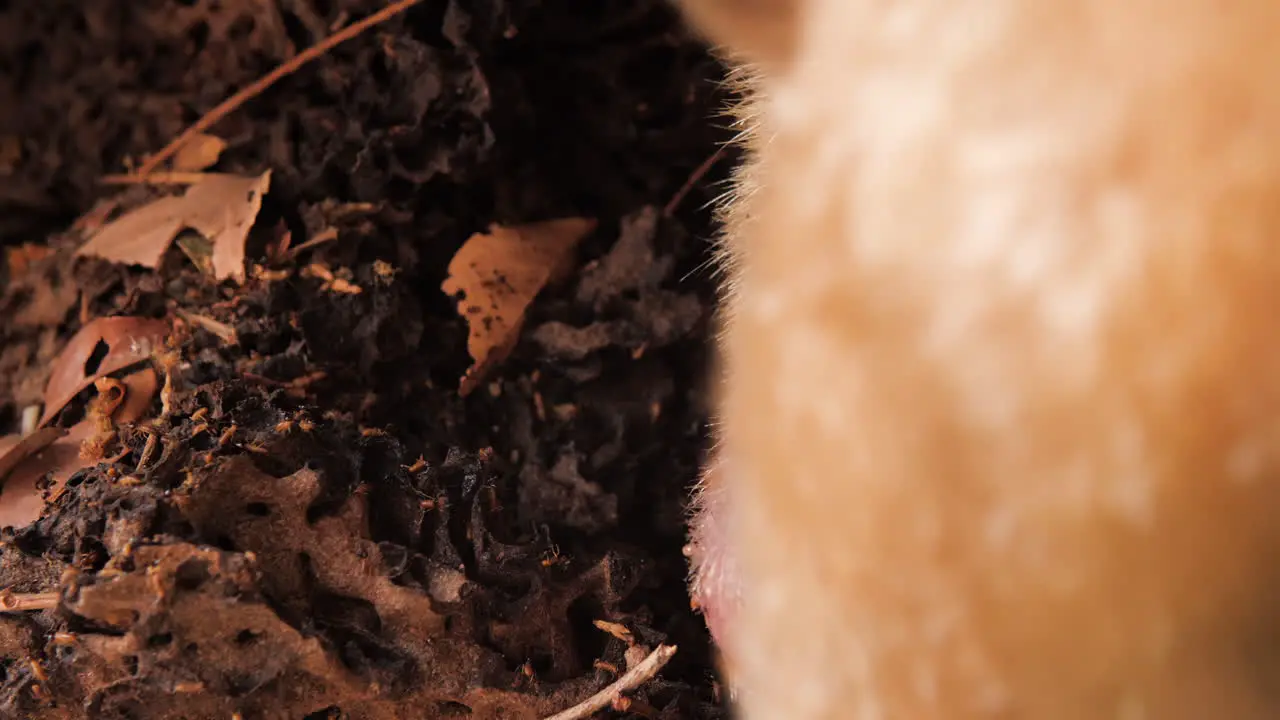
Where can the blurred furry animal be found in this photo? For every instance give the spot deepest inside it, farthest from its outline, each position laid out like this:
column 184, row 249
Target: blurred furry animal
column 1000, row 411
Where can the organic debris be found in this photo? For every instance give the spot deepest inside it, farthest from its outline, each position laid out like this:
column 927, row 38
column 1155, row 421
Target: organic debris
column 278, row 532
column 640, row 673
column 28, row 460
column 626, row 287
column 12, row 602
column 41, row 290
column 15, row 449
column 224, row 331
column 221, row 208
column 235, row 101
column 271, row 500
column 38, row 465
column 102, row 347
column 498, row 274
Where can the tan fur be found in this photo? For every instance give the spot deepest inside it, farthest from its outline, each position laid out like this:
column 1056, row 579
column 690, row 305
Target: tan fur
column 1002, row 375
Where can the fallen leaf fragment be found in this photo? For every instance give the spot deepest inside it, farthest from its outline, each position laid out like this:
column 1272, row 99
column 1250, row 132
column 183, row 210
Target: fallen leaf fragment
column 127, row 339
column 13, row 449
column 198, row 249
column 198, row 153
column 139, row 390
column 222, row 208
column 93, row 220
column 28, row 460
column 500, row 273
column 57, row 452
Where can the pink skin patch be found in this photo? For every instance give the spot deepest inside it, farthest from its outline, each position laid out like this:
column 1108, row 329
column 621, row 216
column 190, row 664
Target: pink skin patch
column 714, row 584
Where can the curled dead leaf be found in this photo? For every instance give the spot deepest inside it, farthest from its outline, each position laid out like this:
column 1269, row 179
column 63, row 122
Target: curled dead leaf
column 140, row 390
column 222, row 208
column 102, row 347
column 128, row 399
column 500, row 273
column 55, row 453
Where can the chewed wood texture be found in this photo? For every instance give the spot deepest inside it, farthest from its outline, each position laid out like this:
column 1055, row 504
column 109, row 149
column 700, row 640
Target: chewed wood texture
column 1001, row 377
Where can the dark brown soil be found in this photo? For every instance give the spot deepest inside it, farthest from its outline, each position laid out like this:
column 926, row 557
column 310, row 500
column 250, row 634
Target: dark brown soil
column 303, row 565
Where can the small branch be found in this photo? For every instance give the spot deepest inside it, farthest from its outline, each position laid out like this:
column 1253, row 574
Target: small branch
column 11, row 602
column 225, row 332
column 321, row 238
column 694, row 177
column 156, row 178
column 634, row 678
column 235, row 101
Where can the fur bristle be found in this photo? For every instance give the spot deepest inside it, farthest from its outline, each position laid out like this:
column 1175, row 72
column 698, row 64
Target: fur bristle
column 1000, row 377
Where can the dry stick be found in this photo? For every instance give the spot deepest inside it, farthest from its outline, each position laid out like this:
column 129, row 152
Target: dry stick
column 156, row 178
column 694, row 177
column 321, row 238
column 266, row 81
column 21, row 602
column 634, row 678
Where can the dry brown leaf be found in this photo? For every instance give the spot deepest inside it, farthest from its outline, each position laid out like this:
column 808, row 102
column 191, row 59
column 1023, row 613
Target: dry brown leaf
column 220, row 207
column 14, row 448
column 26, row 460
column 198, row 153
column 128, row 340
column 55, row 452
column 97, row 216
column 501, row 272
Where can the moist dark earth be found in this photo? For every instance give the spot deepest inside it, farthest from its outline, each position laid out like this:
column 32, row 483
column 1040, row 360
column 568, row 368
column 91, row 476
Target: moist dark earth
column 317, row 524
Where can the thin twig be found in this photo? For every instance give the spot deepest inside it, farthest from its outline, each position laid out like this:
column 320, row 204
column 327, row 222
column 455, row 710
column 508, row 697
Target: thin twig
column 11, row 602
column 224, row 331
column 230, row 104
column 694, row 177
column 322, row 237
column 156, row 178
column 634, row 678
